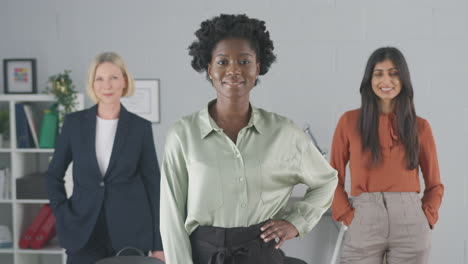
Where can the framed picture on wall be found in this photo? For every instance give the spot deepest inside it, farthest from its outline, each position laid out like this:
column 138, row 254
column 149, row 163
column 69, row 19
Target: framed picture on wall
column 145, row 101
column 19, row 76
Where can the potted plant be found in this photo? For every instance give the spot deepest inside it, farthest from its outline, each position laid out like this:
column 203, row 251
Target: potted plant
column 62, row 87
column 4, row 125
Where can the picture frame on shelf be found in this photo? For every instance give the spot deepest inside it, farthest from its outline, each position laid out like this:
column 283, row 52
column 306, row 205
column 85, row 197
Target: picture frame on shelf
column 145, row 100
column 19, row 76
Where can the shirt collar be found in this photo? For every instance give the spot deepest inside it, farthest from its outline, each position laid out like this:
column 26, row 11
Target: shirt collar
column 207, row 124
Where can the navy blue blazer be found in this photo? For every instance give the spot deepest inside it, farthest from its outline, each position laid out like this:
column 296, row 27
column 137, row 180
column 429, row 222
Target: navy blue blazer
column 128, row 192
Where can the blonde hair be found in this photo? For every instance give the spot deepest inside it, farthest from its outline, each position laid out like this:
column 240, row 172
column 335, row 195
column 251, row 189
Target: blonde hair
column 115, row 59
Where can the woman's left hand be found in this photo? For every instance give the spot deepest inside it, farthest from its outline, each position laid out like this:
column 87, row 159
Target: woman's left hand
column 281, row 229
column 159, row 255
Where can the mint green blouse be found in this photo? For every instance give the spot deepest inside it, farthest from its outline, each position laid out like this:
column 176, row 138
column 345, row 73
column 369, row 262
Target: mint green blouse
column 209, row 180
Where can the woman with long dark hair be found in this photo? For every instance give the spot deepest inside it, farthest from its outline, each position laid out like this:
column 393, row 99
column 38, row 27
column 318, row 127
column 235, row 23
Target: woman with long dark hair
column 385, row 144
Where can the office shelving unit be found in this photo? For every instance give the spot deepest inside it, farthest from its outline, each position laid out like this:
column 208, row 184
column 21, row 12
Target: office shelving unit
column 16, row 213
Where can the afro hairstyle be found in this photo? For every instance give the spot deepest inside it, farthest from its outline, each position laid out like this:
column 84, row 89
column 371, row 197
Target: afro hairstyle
column 231, row 26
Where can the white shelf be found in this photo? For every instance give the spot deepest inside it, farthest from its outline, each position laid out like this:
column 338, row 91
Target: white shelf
column 27, row 98
column 27, row 150
column 34, row 150
column 7, row 250
column 17, row 214
column 32, row 201
column 5, row 150
column 52, row 250
column 52, row 247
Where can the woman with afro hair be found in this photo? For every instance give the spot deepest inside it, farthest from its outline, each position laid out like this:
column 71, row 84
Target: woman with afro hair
column 229, row 169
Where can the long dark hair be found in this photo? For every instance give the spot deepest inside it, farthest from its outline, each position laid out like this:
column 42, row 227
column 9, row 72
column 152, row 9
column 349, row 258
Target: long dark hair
column 404, row 109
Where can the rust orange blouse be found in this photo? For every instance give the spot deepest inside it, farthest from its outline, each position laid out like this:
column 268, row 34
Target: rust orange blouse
column 391, row 174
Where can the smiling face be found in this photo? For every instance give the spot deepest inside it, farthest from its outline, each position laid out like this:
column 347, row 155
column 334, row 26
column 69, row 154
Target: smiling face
column 109, row 83
column 386, row 82
column 233, row 68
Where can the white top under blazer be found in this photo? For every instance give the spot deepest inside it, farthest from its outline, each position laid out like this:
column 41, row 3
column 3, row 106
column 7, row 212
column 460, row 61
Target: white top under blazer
column 105, row 135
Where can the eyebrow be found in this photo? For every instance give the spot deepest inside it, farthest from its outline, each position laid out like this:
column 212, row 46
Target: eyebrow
column 384, row 70
column 112, row 75
column 380, row 70
column 242, row 54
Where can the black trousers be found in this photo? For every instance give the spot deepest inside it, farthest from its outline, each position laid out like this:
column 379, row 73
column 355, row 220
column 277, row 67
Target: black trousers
column 239, row 245
column 98, row 246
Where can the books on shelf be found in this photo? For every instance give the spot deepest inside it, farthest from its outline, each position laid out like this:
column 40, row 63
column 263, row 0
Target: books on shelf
column 32, row 124
column 7, row 192
column 23, row 133
column 49, row 128
column 2, row 185
column 5, row 184
column 27, row 132
column 6, row 240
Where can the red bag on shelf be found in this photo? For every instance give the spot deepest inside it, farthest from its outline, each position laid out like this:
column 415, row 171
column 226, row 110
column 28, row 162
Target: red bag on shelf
column 39, row 219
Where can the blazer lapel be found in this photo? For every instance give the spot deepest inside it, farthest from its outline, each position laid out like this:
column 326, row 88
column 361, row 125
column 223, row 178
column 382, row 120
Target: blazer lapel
column 90, row 135
column 120, row 135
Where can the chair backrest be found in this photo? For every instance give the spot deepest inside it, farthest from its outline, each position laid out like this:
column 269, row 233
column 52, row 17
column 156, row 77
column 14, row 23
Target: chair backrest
column 289, row 260
column 129, row 260
column 139, row 259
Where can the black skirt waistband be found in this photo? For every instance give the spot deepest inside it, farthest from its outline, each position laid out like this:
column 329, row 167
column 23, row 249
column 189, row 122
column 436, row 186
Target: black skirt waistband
column 220, row 236
column 218, row 245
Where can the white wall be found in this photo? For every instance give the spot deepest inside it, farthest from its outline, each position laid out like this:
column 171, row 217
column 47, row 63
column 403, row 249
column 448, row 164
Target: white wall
column 322, row 47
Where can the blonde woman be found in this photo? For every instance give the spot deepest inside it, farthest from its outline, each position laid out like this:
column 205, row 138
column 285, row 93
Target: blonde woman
column 115, row 201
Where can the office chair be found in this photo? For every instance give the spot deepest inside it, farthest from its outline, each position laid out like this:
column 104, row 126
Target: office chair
column 291, row 260
column 138, row 259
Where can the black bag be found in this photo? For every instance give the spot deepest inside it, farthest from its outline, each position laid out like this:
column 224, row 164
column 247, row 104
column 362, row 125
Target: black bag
column 140, row 259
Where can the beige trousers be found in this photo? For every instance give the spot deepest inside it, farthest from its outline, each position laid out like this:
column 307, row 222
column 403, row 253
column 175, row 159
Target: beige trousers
column 388, row 226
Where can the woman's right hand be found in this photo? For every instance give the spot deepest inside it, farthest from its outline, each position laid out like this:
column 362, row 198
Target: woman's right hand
column 348, row 218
